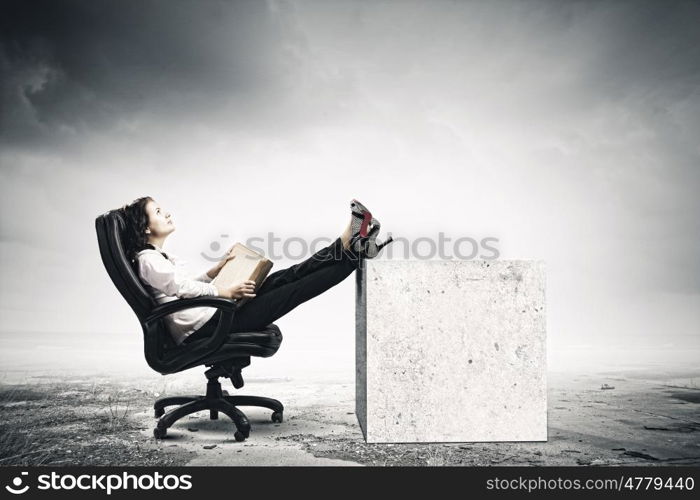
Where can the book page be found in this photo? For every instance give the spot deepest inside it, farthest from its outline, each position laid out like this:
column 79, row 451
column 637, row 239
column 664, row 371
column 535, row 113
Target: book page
column 243, row 267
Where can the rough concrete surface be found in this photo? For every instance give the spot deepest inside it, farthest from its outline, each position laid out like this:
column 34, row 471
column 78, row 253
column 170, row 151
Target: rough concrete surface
column 451, row 351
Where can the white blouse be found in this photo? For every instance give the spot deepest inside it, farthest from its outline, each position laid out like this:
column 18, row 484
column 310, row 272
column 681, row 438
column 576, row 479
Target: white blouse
column 168, row 279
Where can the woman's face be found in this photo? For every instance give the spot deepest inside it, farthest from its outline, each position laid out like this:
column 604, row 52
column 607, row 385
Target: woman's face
column 159, row 221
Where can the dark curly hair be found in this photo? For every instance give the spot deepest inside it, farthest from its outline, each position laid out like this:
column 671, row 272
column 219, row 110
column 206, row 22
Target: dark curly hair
column 136, row 219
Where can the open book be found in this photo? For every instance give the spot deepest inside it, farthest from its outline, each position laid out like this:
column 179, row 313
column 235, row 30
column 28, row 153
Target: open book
column 247, row 265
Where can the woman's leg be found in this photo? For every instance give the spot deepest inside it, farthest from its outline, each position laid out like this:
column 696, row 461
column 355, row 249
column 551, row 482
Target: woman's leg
column 284, row 290
column 263, row 309
column 329, row 255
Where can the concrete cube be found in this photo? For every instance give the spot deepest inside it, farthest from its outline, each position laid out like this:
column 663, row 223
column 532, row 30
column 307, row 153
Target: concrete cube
column 451, row 350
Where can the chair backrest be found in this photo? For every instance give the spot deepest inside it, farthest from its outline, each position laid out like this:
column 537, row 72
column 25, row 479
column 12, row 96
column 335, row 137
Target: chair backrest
column 158, row 343
column 110, row 228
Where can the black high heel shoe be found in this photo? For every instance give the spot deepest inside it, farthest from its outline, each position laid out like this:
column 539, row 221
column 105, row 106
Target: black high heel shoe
column 371, row 248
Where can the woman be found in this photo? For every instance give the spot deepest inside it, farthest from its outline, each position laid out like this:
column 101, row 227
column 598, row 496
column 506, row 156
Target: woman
column 165, row 276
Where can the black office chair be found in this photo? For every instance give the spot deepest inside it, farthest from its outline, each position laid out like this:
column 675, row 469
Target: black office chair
column 224, row 354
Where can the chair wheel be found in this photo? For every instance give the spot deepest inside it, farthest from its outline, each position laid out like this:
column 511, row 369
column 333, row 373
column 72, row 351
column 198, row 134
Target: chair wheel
column 159, row 433
column 277, row 417
column 159, row 412
column 239, row 436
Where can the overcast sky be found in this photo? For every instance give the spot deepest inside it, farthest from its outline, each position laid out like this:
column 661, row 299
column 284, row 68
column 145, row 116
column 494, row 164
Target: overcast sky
column 568, row 130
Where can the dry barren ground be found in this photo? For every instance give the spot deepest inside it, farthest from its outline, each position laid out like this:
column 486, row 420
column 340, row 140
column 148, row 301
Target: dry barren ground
column 638, row 418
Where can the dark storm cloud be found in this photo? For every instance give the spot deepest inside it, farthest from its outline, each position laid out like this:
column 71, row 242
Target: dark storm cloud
column 85, row 64
column 73, row 65
column 626, row 47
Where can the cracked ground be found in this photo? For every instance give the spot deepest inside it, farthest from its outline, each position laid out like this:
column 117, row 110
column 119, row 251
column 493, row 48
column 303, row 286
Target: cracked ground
column 639, row 417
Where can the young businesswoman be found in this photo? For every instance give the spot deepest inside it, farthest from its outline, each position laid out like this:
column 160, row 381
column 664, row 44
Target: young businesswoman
column 166, row 278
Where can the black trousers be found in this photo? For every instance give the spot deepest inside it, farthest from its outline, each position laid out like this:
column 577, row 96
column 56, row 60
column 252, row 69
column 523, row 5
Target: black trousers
column 285, row 289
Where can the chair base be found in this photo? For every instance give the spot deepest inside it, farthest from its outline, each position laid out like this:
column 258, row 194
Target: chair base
column 215, row 401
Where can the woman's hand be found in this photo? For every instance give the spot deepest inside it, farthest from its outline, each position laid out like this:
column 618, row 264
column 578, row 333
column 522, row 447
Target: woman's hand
column 237, row 291
column 222, row 262
column 214, row 271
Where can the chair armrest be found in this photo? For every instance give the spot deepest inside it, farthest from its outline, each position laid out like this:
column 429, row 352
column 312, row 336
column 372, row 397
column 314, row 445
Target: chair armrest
column 186, row 354
column 181, row 304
